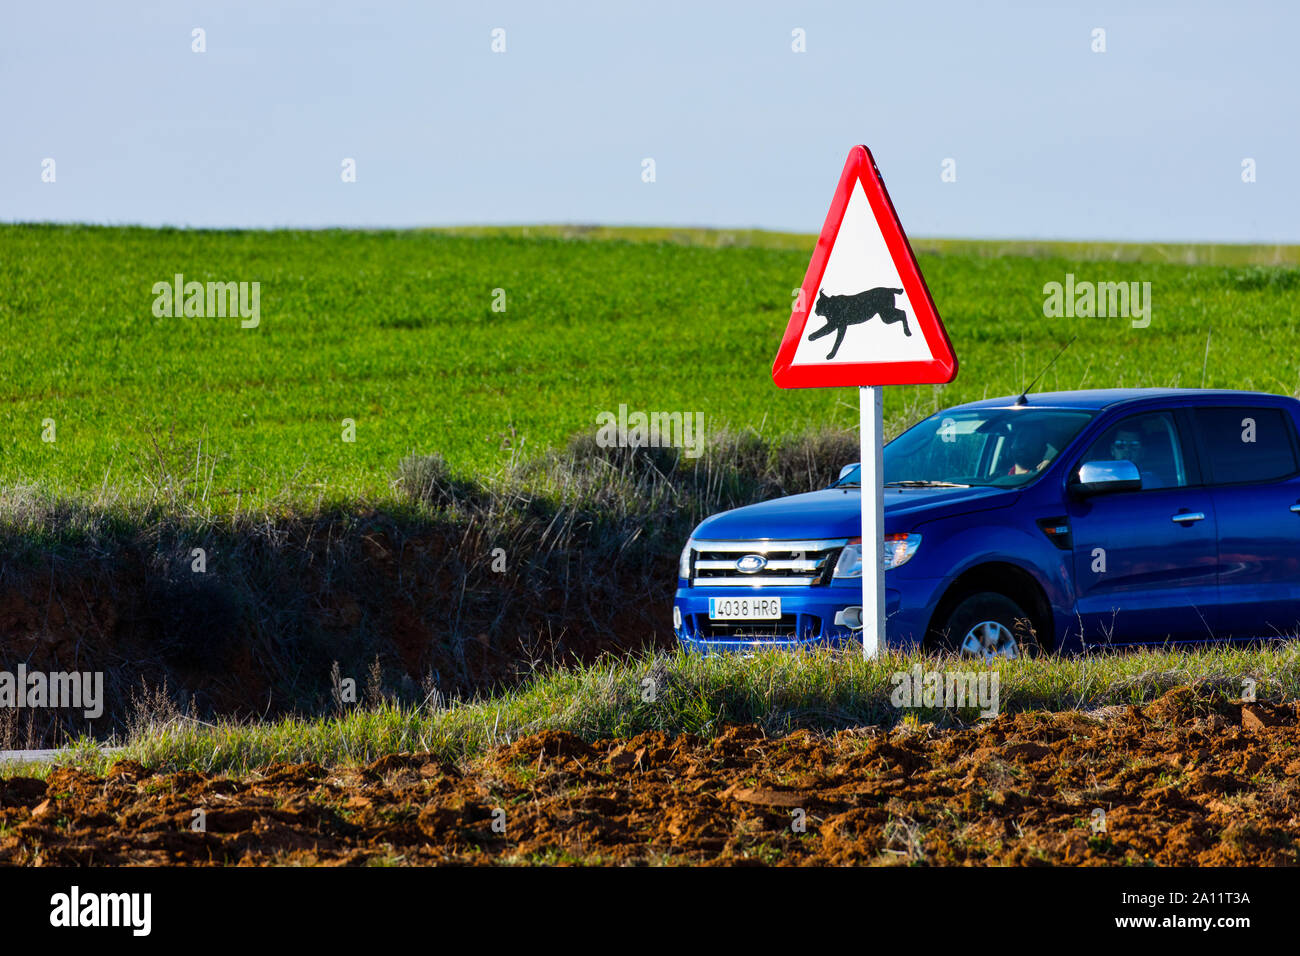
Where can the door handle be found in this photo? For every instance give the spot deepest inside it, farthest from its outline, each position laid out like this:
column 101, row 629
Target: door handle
column 1188, row 516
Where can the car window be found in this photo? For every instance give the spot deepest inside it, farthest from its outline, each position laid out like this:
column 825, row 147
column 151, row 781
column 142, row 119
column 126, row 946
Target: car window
column 1246, row 444
column 1000, row 447
column 1150, row 441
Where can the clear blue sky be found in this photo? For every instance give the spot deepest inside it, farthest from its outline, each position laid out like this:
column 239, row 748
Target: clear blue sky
column 1050, row 139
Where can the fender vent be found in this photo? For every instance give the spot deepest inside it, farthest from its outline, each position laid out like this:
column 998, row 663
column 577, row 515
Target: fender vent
column 1057, row 530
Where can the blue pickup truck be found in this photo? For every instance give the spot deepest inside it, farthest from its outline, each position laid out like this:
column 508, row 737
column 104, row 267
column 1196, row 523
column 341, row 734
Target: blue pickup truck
column 1050, row 522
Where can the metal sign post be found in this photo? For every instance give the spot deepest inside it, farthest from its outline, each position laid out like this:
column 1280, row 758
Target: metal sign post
column 871, row 435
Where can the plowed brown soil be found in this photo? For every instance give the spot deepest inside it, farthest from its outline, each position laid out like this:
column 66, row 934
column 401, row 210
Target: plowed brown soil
column 1180, row 782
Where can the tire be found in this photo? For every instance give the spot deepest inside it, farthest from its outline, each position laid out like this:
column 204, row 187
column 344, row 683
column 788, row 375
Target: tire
column 987, row 626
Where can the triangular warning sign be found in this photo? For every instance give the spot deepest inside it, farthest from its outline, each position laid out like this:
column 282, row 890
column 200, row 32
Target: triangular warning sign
column 864, row 315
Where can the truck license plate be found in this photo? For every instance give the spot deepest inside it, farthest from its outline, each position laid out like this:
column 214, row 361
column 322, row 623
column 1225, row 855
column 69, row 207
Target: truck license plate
column 744, row 609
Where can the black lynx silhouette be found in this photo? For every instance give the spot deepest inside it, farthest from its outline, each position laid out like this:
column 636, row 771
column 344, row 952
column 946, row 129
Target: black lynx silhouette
column 841, row 311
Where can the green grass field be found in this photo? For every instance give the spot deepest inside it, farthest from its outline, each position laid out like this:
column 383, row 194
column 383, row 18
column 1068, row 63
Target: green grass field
column 396, row 331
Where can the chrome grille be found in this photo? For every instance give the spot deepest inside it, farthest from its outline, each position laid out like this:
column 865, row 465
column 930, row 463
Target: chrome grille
column 784, row 563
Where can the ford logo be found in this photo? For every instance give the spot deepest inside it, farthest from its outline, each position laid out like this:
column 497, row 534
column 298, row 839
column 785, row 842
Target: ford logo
column 751, row 564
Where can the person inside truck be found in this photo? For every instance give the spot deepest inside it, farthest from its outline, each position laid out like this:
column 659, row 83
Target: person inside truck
column 1029, row 451
column 1128, row 446
column 1150, row 442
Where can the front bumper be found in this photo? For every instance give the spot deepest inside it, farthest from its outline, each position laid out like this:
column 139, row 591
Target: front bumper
column 807, row 619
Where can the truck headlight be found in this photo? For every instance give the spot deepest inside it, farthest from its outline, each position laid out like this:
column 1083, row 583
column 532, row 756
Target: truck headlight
column 899, row 549
column 684, row 562
column 850, row 563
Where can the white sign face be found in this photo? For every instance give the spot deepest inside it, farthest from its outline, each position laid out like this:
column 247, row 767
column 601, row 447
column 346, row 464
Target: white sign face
column 861, row 312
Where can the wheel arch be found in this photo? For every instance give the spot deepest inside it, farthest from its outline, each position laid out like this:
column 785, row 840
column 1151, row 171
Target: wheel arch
column 1000, row 577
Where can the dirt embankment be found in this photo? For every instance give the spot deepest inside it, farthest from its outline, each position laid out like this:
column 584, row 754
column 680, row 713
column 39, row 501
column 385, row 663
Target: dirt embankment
column 455, row 585
column 1179, row 782
column 403, row 605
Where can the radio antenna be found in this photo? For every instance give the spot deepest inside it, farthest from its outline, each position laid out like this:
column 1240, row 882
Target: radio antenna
column 1024, row 396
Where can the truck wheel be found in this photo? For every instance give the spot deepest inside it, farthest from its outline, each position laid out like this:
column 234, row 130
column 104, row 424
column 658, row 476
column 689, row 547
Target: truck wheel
column 989, row 625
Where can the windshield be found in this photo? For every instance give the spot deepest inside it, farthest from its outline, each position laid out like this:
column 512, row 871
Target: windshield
column 997, row 447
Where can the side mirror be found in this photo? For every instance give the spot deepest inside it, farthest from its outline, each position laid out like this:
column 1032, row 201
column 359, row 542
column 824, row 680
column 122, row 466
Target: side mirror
column 1105, row 477
column 846, row 469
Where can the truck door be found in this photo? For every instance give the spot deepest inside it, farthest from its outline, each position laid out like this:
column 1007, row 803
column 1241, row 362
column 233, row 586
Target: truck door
column 1145, row 561
column 1251, row 464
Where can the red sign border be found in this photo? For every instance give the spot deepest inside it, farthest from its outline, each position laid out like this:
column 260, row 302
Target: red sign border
column 942, row 368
